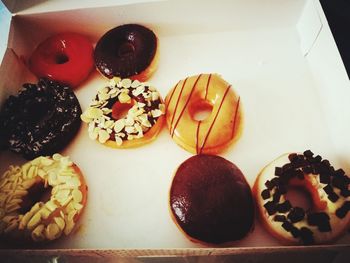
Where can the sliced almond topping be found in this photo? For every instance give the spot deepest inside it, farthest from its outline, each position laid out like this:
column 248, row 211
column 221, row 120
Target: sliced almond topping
column 60, row 222
column 73, row 182
column 78, row 206
column 77, row 196
column 46, row 161
column 138, row 91
column 93, row 113
column 71, row 215
column 155, row 96
column 114, row 81
column 38, row 233
column 130, row 129
column 51, row 205
column 118, row 140
column 124, row 98
column 31, row 171
column 103, row 136
column 103, row 96
column 109, row 124
column 34, row 221
column 135, row 83
column 45, row 212
column 69, row 227
column 129, row 121
column 126, row 83
column 56, row 157
column 52, row 231
column 130, row 137
column 156, row 113
column 119, row 125
column 94, row 134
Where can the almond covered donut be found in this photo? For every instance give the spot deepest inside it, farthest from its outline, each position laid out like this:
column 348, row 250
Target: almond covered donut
column 127, row 51
column 211, row 201
column 326, row 219
column 204, row 92
column 127, row 113
column 41, row 200
column 65, row 57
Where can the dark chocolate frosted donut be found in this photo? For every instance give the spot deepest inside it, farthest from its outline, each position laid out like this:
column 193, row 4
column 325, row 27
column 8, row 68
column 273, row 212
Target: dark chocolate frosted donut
column 125, row 51
column 211, row 200
column 41, row 120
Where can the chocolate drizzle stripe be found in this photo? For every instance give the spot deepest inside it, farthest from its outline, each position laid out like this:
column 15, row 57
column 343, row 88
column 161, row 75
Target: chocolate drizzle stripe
column 197, row 136
column 172, row 94
column 207, row 87
column 235, row 119
column 176, row 105
column 185, row 106
column 216, row 115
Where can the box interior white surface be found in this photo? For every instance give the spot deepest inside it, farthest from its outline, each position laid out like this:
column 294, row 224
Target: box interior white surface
column 281, row 59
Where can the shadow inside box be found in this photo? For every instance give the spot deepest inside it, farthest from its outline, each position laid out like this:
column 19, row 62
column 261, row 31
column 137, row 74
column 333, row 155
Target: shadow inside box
column 17, row 6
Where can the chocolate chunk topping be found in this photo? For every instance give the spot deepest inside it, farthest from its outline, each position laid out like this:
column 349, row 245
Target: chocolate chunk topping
column 295, row 232
column 307, row 169
column 339, row 172
column 282, row 189
column 276, row 197
column 317, row 159
column 270, row 208
column 296, row 214
column 308, row 153
column 269, row 184
column 321, row 220
column 299, row 174
column 325, row 178
column 345, row 192
column 340, row 182
column 280, row 218
column 293, row 157
column 287, row 226
column 343, row 210
column 306, row 236
column 328, row 189
column 284, row 207
column 278, row 171
column 333, row 197
column 265, row 194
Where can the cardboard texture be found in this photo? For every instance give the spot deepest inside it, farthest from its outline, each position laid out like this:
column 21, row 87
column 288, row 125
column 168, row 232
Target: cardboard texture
column 281, row 59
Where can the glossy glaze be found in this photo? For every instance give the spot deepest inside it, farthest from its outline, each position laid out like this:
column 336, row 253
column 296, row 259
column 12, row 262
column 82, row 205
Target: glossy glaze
column 211, row 200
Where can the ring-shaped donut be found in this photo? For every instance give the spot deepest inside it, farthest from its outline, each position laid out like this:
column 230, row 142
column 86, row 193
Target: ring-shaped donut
column 326, row 219
column 65, row 57
column 127, row 113
column 127, row 51
column 204, row 92
column 41, row 120
column 41, row 200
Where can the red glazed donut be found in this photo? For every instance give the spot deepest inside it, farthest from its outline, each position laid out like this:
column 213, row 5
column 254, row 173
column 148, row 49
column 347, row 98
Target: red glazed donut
column 65, row 57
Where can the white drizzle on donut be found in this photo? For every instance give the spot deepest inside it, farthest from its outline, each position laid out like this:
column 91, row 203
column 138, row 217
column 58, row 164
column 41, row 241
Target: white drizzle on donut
column 64, row 205
column 135, row 124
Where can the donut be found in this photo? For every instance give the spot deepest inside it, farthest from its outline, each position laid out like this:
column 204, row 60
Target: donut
column 328, row 216
column 126, row 113
column 41, row 200
column 127, row 51
column 204, row 92
column 41, row 120
column 210, row 200
column 65, row 57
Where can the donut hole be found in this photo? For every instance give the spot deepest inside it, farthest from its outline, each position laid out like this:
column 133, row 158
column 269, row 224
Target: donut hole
column 37, row 193
column 298, row 196
column 200, row 110
column 61, row 58
column 126, row 49
column 120, row 110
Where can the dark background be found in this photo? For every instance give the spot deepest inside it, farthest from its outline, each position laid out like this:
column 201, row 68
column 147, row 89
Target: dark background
column 338, row 16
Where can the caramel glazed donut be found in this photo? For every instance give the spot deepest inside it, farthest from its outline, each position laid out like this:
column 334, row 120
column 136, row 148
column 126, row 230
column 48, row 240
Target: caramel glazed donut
column 29, row 212
column 204, row 92
column 142, row 123
column 328, row 217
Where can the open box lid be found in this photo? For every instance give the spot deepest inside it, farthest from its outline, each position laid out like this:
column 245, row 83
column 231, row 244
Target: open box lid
column 39, row 6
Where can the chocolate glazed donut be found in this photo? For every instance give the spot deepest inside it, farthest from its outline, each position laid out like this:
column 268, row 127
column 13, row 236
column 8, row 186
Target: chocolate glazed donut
column 211, row 200
column 41, row 120
column 125, row 51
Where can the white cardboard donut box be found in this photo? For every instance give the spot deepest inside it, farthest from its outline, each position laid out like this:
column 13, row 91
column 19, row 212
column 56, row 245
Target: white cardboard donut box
column 280, row 57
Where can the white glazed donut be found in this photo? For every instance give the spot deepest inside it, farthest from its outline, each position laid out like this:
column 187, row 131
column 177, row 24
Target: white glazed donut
column 329, row 216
